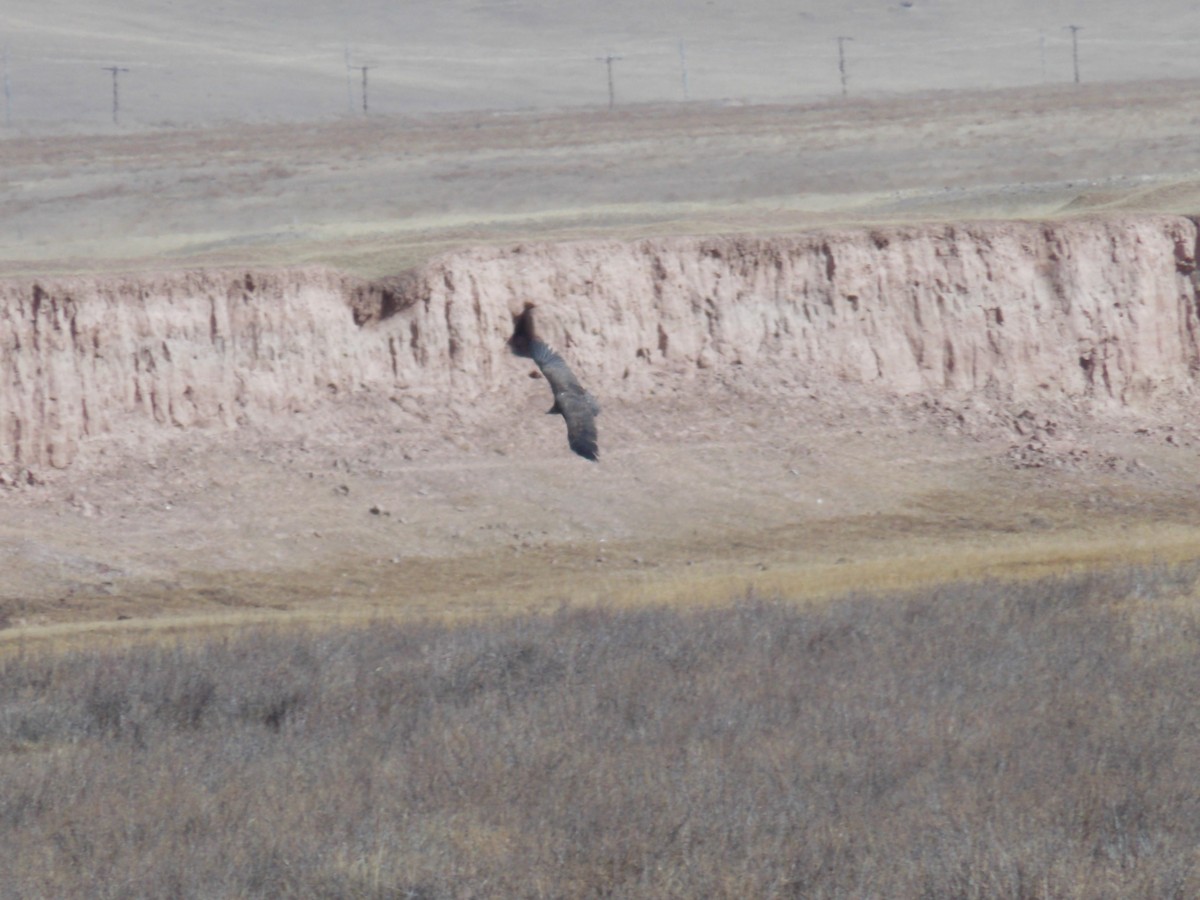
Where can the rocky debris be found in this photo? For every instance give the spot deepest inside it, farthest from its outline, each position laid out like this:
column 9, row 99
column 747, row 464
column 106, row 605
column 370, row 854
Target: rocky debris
column 1026, row 423
column 1042, row 451
column 1039, row 445
column 1171, row 435
column 82, row 505
column 1036, row 453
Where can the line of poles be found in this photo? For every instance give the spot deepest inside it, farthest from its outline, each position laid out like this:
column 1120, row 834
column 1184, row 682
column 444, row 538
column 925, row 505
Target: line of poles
column 842, row 73
column 608, row 61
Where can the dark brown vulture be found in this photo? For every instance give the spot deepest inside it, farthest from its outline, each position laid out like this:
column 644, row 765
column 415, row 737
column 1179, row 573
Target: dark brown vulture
column 571, row 401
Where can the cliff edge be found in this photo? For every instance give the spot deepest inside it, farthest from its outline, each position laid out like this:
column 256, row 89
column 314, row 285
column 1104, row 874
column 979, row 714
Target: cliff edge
column 1101, row 311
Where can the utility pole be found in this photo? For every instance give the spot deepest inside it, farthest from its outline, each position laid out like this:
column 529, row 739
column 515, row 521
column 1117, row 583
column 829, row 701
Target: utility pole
column 1075, row 29
column 608, row 61
column 116, row 98
column 364, row 85
column 683, row 67
column 842, row 60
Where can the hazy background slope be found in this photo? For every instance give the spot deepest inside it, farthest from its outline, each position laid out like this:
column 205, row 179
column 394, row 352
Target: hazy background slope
column 194, row 63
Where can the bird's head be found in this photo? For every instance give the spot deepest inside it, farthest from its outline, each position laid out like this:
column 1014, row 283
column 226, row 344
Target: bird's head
column 523, row 334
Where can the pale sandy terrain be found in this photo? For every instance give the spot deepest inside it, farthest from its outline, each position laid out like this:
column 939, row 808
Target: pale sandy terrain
column 375, row 197
column 713, row 480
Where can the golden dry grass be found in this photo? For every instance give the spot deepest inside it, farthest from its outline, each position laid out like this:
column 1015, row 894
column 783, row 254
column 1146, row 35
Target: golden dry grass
column 1034, row 739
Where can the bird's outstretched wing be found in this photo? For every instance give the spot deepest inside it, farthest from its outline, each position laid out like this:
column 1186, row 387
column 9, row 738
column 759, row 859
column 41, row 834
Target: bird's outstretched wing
column 571, row 401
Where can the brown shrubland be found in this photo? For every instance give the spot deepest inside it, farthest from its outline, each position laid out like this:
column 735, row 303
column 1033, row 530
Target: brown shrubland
column 986, row 739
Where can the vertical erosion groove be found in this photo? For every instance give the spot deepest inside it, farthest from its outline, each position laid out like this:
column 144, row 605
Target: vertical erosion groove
column 1189, row 266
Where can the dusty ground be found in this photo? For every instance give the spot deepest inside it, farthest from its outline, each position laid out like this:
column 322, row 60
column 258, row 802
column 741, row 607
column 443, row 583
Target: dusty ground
column 362, row 509
column 734, row 481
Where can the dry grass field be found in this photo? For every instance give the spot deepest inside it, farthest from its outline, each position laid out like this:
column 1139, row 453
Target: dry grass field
column 987, row 739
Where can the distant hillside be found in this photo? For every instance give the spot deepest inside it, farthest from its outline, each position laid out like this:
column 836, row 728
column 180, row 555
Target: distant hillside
column 197, row 63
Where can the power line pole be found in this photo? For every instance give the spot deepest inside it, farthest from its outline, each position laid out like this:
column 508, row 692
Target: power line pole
column 116, row 97
column 1075, row 29
column 364, row 85
column 608, row 61
column 842, row 60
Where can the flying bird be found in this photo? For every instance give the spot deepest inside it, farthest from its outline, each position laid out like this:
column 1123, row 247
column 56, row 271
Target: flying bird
column 571, row 401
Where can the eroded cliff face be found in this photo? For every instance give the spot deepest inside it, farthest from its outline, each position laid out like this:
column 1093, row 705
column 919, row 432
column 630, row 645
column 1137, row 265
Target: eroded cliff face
column 1103, row 311
column 1099, row 309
